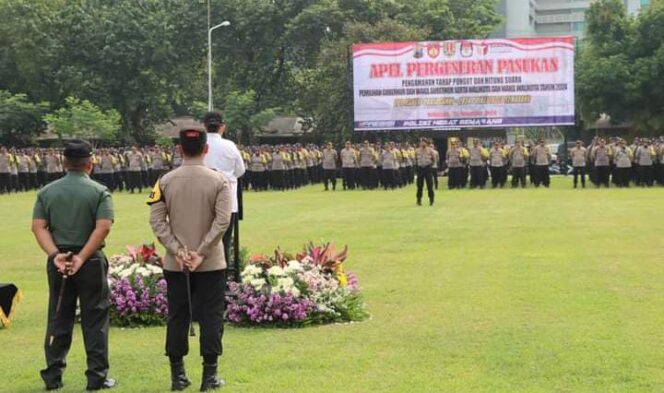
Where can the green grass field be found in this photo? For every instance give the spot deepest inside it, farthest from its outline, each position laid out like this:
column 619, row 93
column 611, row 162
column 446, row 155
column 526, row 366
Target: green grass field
column 532, row 290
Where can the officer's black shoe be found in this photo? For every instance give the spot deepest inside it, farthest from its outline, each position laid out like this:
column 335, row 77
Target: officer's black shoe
column 179, row 380
column 54, row 386
column 210, row 380
column 107, row 384
column 431, row 202
column 419, row 202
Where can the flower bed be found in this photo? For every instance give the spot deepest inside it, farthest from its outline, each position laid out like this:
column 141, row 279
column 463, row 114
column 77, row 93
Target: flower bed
column 279, row 291
column 285, row 291
column 138, row 288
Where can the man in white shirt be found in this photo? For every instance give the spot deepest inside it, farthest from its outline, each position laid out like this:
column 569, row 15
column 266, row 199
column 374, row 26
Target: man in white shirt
column 223, row 156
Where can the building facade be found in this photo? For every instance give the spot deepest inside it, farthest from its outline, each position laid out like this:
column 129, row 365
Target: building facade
column 535, row 18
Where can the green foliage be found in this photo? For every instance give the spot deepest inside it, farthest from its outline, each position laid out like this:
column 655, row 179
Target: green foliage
column 147, row 59
column 620, row 69
column 241, row 117
column 84, row 120
column 20, row 119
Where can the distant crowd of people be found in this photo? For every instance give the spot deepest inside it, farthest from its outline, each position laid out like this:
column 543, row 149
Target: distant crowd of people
column 364, row 166
column 130, row 168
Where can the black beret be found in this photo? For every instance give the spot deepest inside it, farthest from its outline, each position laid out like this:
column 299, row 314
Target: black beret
column 78, row 149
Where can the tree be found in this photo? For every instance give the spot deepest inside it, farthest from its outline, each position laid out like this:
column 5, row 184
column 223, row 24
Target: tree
column 620, row 68
column 83, row 120
column 20, row 119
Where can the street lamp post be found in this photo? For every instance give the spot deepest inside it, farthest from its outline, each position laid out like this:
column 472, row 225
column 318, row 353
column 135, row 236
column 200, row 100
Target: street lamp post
column 222, row 24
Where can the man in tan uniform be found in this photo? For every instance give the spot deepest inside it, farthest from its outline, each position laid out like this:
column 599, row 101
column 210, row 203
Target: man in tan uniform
column 6, row 162
column 135, row 163
column 190, row 209
column 424, row 159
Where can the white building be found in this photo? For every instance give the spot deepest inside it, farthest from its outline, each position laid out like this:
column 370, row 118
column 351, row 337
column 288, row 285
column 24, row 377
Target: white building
column 533, row 18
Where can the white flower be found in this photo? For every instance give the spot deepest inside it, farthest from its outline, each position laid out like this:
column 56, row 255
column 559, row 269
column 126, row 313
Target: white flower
column 252, row 270
column 141, row 271
column 125, row 273
column 276, row 271
column 293, row 267
column 257, row 283
column 154, row 269
column 285, row 283
column 295, row 292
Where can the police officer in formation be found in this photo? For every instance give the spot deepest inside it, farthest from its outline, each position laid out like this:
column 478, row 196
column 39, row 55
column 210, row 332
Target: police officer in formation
column 477, row 157
column 518, row 157
column 578, row 154
column 330, row 158
column 424, row 162
column 71, row 220
column 365, row 166
column 190, row 211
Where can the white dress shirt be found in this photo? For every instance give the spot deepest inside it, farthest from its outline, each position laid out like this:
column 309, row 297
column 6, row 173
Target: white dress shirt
column 223, row 156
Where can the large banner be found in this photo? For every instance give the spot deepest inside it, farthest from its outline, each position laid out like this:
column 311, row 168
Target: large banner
column 464, row 84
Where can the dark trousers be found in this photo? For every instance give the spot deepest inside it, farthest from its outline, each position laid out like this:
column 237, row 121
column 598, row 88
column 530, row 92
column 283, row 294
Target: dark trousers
column 108, row 180
column 90, row 287
column 366, row 178
column 135, row 181
column 579, row 171
column 155, row 174
column 645, row 175
column 542, row 175
column 5, row 183
column 425, row 174
column 498, row 176
column 622, row 177
column 207, row 291
column 14, row 183
column 519, row 176
column 228, row 238
column 477, row 176
column 34, row 181
column 278, row 181
column 455, row 178
column 24, row 181
column 389, row 180
column 349, row 178
column 602, row 175
column 330, row 176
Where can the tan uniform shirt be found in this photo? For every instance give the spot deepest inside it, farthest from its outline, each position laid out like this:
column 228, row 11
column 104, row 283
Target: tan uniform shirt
column 579, row 157
column 330, row 157
column 424, row 157
column 191, row 207
column 348, row 159
column 135, row 161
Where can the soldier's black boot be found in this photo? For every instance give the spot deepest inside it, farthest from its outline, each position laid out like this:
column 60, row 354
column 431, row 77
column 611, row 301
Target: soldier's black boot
column 419, row 202
column 210, row 380
column 431, row 201
column 179, row 380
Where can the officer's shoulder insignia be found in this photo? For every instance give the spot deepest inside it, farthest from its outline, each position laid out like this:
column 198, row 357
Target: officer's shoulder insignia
column 155, row 195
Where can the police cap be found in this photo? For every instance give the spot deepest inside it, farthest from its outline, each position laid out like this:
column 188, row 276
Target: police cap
column 78, row 149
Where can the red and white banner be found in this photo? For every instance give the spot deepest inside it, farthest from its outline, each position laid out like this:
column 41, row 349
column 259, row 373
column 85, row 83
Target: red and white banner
column 465, row 83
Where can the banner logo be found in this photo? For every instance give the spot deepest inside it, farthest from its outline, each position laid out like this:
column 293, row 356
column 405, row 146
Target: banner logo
column 483, row 49
column 449, row 48
column 433, row 50
column 466, row 48
column 419, row 51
